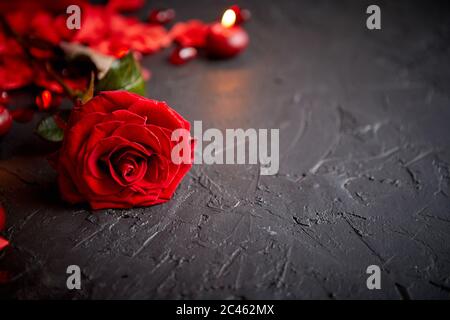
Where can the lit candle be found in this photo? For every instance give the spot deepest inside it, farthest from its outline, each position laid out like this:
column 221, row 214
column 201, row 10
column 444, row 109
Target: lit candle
column 226, row 39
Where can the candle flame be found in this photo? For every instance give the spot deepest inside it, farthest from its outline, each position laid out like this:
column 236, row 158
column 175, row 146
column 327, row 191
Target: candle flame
column 228, row 18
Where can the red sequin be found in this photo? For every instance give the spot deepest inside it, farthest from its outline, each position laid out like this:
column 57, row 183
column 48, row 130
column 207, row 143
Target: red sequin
column 44, row 100
column 181, row 55
column 161, row 16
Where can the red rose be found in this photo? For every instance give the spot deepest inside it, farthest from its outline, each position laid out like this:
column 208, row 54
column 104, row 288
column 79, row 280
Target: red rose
column 117, row 150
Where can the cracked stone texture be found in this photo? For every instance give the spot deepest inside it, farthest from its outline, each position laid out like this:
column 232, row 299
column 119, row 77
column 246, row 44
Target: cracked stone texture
column 364, row 120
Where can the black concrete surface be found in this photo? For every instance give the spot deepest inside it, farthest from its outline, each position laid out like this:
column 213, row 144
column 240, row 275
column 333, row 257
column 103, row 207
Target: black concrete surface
column 364, row 119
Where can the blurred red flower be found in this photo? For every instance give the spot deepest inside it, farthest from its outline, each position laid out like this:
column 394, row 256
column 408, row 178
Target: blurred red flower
column 15, row 71
column 108, row 32
column 39, row 25
column 43, row 79
column 41, row 28
column 33, row 6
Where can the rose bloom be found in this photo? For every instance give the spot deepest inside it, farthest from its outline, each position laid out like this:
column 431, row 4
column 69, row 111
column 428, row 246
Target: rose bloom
column 116, row 152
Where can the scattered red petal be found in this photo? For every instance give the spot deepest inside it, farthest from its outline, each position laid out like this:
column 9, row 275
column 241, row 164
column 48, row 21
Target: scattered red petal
column 15, row 72
column 39, row 24
column 60, row 23
column 9, row 46
column 2, row 218
column 105, row 31
column 5, row 124
column 190, row 34
column 22, row 115
column 146, row 74
column 161, row 16
column 19, row 20
column 44, row 80
column 3, row 242
column 33, row 6
column 41, row 53
column 41, row 27
column 125, row 5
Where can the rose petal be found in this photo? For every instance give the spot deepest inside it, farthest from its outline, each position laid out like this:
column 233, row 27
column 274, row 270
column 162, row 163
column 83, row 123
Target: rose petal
column 159, row 114
column 3, row 243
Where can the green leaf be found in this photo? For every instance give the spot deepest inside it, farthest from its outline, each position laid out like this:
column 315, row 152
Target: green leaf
column 49, row 130
column 124, row 74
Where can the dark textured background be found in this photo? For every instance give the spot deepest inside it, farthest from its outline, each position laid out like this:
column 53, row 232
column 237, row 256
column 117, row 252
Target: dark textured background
column 364, row 179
